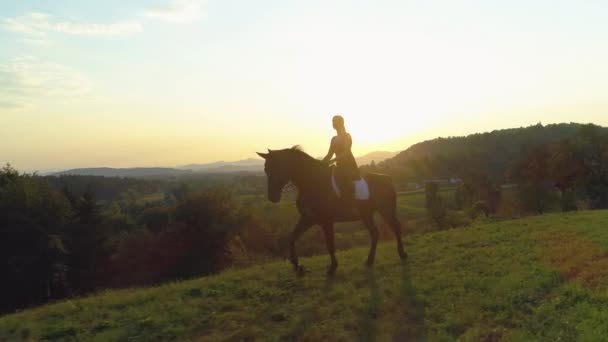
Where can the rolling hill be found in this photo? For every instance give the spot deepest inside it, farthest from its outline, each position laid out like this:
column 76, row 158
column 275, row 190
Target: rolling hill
column 251, row 165
column 489, row 153
column 377, row 156
column 257, row 165
column 538, row 278
column 135, row 172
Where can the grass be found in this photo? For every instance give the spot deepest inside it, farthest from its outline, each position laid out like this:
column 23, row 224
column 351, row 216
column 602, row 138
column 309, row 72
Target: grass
column 540, row 278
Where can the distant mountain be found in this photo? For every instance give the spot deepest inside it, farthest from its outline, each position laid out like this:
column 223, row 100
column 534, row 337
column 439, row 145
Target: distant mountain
column 246, row 165
column 257, row 165
column 127, row 172
column 376, row 156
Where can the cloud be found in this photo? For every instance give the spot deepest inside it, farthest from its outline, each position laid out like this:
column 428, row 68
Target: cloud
column 10, row 105
column 178, row 11
column 36, row 26
column 27, row 79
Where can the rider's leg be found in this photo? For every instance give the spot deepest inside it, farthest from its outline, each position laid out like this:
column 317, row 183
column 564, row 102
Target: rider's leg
column 348, row 195
column 347, row 188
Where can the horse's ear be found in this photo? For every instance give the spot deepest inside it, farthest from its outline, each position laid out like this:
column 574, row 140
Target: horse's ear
column 263, row 155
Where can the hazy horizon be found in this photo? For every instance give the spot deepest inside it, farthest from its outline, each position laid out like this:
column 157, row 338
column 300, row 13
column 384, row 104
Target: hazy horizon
column 174, row 82
column 179, row 166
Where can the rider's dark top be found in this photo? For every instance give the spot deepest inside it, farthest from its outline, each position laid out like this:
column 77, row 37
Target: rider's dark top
column 345, row 160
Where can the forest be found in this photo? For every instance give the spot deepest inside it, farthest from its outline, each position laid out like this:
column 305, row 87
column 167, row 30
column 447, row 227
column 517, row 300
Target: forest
column 65, row 236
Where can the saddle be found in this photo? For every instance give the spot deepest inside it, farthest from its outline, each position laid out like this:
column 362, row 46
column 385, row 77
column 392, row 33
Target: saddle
column 361, row 187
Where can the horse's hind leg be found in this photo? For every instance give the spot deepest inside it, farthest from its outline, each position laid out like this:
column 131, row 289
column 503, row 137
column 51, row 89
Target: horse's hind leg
column 395, row 225
column 328, row 230
column 387, row 206
column 393, row 222
column 302, row 226
column 373, row 234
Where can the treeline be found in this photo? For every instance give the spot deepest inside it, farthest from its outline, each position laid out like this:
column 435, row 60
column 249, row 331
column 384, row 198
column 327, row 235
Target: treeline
column 562, row 175
column 571, row 174
column 57, row 239
column 484, row 155
column 104, row 188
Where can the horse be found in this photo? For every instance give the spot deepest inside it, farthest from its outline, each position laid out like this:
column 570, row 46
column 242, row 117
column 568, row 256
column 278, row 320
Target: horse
column 318, row 203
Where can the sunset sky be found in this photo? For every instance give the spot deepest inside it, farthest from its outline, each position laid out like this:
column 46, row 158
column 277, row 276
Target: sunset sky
column 171, row 82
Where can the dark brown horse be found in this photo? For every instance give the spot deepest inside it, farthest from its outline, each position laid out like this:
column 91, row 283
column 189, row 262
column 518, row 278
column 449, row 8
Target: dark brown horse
column 317, row 202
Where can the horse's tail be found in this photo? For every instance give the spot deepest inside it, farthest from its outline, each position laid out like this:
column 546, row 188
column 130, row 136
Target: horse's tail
column 384, row 196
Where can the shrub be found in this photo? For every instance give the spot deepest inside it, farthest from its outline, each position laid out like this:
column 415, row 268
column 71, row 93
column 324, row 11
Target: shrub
column 479, row 208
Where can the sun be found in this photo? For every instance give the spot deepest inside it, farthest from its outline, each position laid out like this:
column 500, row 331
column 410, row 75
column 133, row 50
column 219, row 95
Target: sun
column 369, row 135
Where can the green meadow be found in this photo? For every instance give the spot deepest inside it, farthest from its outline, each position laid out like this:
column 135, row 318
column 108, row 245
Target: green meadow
column 540, row 278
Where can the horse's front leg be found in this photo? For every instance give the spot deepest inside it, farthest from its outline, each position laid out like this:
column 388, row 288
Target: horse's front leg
column 328, row 230
column 302, row 226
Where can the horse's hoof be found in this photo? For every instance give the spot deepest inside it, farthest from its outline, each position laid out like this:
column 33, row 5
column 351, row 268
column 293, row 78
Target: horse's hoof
column 300, row 270
column 369, row 263
column 403, row 256
column 331, row 270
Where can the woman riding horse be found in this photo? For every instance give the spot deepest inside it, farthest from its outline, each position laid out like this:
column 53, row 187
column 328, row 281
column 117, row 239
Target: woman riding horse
column 347, row 170
column 316, row 198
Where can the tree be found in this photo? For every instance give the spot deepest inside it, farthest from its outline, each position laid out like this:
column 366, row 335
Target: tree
column 195, row 240
column 86, row 243
column 476, row 187
column 87, row 209
column 434, row 204
column 32, row 251
column 579, row 167
column 591, row 145
column 531, row 173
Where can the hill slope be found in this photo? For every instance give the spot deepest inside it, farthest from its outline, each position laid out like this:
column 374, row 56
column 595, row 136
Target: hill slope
column 376, row 157
column 539, row 278
column 490, row 153
column 251, row 164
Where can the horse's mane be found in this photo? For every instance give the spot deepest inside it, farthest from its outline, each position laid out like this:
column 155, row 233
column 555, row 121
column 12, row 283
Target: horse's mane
column 298, row 148
column 298, row 151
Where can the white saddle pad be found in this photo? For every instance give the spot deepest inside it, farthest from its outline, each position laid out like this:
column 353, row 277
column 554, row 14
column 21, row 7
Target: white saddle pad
column 361, row 188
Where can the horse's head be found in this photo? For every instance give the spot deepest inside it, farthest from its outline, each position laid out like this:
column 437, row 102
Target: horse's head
column 276, row 168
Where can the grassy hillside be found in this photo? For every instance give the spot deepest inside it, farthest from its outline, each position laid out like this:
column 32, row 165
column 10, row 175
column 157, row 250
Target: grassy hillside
column 539, row 278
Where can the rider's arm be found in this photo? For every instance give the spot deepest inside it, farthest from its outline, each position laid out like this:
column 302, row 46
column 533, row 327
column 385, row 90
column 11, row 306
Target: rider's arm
column 330, row 153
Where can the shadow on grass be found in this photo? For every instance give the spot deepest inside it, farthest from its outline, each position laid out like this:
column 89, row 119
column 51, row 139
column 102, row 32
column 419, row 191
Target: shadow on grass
column 411, row 325
column 309, row 314
column 412, row 321
column 367, row 318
